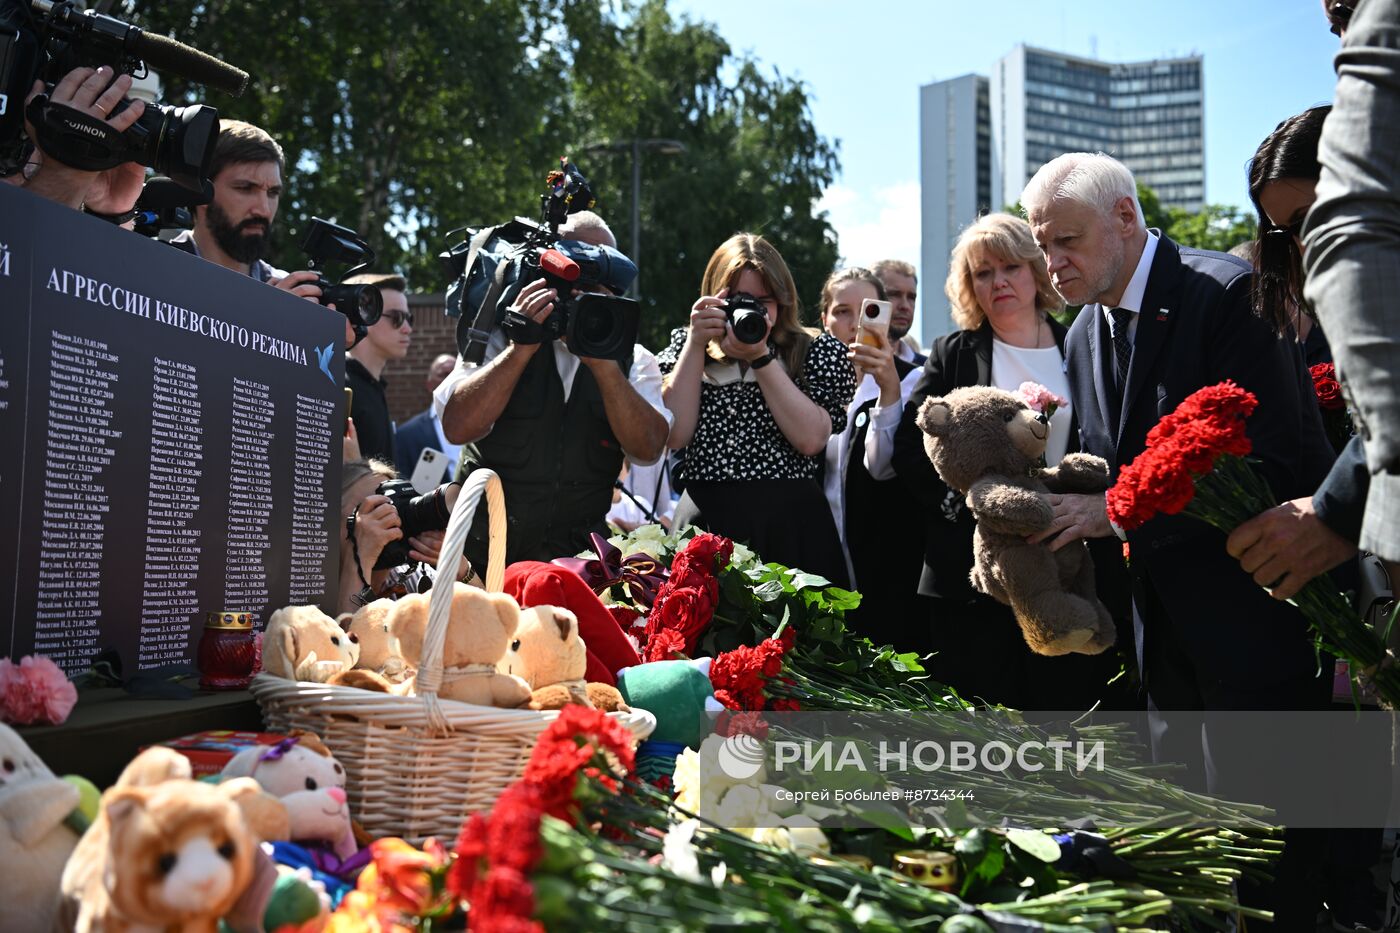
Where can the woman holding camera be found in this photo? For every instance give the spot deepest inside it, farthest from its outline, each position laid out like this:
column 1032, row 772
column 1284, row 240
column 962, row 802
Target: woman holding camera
column 754, row 417
column 369, row 524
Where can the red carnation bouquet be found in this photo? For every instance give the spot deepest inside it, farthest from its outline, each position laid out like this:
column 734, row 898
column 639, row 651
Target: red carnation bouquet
column 1335, row 417
column 497, row 852
column 1194, row 464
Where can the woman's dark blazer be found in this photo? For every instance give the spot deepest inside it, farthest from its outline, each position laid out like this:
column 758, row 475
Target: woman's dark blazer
column 956, row 360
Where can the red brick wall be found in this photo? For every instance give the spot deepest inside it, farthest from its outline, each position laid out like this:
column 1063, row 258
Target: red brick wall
column 433, row 333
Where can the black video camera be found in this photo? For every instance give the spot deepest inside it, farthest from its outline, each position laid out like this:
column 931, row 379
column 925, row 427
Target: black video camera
column 328, row 242
column 167, row 205
column 494, row 263
column 417, row 514
column 747, row 317
column 175, row 141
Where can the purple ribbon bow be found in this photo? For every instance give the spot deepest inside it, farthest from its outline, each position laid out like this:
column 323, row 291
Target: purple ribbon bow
column 275, row 752
column 643, row 574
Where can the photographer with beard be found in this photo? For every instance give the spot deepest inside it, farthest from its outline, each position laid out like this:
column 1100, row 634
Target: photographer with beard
column 234, row 228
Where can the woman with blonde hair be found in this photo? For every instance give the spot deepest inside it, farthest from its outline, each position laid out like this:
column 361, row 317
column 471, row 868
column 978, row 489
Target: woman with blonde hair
column 1002, row 300
column 754, row 418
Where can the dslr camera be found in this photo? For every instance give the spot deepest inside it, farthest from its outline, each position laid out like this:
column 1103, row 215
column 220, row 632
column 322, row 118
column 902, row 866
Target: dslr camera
column 327, row 242
column 42, row 39
column 489, row 269
column 417, row 514
column 748, row 317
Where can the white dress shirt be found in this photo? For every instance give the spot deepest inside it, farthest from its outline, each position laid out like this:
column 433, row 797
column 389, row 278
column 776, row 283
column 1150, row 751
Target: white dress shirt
column 1136, row 290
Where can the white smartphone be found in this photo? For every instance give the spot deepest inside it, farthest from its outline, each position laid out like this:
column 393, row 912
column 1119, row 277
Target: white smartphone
column 874, row 319
column 430, row 470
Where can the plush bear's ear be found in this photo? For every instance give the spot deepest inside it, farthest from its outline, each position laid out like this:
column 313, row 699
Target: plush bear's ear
column 564, row 620
column 409, row 624
column 507, row 610
column 934, row 417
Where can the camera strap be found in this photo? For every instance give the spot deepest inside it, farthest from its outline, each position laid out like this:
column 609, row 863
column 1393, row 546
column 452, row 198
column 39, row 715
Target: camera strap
column 74, row 138
column 521, row 329
column 478, row 332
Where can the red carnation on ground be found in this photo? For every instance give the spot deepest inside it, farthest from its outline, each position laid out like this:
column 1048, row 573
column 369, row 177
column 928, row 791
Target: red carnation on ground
column 740, row 676
column 665, row 645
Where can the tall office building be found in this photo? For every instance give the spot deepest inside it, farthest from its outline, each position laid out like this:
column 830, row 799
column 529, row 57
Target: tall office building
column 1041, row 104
column 955, row 176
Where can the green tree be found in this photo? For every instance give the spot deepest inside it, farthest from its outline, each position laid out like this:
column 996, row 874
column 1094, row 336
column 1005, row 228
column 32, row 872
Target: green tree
column 409, row 118
column 1215, row 226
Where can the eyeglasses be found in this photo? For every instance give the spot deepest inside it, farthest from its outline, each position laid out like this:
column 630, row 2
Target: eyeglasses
column 399, row 318
column 1293, row 230
column 1339, row 15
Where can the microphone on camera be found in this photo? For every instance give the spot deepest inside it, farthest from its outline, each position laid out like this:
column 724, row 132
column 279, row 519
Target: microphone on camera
column 557, row 264
column 163, row 52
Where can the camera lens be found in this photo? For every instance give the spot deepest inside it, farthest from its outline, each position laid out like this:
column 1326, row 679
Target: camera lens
column 362, row 304
column 175, row 141
column 872, row 311
column 370, row 304
column 750, row 326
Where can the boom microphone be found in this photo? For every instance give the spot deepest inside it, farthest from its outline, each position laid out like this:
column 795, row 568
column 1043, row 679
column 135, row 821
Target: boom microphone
column 156, row 50
column 163, row 52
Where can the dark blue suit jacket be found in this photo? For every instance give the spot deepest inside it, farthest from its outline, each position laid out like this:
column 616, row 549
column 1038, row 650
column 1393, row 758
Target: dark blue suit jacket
column 410, row 439
column 1196, row 329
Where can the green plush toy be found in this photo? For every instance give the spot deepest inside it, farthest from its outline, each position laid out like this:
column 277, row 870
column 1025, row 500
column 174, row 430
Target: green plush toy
column 89, row 797
column 679, row 695
column 294, row 901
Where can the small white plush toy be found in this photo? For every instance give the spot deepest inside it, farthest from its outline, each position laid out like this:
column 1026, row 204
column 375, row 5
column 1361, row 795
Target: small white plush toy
column 34, row 841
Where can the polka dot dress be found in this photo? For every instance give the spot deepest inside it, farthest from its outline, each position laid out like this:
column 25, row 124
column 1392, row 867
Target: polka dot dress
column 736, row 437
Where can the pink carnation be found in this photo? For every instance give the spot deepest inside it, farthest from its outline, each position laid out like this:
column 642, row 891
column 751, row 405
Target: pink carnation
column 1040, row 399
column 35, row 690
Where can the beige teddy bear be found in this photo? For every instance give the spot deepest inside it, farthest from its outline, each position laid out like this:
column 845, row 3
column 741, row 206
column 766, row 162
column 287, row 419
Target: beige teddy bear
column 987, row 444
column 479, row 631
column 379, row 649
column 303, row 643
column 551, row 657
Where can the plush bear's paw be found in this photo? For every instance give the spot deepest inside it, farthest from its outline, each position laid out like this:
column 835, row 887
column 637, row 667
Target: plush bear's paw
column 1061, row 643
column 607, row 698
column 365, row 680
column 550, row 697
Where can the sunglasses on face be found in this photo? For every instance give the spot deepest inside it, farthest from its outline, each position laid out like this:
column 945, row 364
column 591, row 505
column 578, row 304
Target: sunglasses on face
column 1339, row 15
column 399, row 318
column 1291, row 231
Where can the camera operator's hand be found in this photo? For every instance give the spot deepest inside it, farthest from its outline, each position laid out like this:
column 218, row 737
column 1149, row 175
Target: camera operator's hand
column 302, row 284
column 534, row 303
column 376, row 524
column 708, row 320
column 113, row 191
column 879, row 362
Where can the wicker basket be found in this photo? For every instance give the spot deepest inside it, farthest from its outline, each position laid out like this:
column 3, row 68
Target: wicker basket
column 417, row 765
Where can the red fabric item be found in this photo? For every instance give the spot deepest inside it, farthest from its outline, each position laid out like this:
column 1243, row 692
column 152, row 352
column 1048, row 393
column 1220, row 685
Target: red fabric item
column 533, row 583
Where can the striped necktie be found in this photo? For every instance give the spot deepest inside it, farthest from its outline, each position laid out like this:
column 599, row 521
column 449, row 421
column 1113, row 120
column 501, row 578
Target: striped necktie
column 1122, row 347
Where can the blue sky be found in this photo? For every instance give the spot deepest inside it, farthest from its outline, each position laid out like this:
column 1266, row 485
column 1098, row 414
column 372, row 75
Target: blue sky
column 864, row 63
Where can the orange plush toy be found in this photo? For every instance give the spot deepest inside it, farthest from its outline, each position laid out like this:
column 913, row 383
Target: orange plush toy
column 533, row 583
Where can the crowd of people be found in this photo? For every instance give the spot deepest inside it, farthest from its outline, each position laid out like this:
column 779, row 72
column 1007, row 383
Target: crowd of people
column 804, row 445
